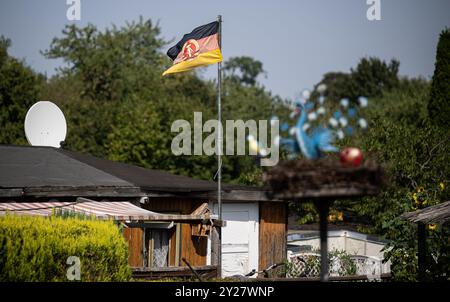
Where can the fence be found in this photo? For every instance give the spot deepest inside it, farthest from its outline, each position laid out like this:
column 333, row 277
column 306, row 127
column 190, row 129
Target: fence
column 307, row 265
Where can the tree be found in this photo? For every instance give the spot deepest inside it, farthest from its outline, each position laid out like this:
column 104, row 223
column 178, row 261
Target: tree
column 244, row 70
column 339, row 85
column 125, row 109
column 439, row 103
column 19, row 88
column 371, row 78
column 111, row 64
column 415, row 154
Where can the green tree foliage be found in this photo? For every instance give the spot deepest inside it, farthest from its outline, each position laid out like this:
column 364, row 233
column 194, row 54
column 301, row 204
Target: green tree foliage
column 373, row 76
column 121, row 94
column 339, row 85
column 370, row 78
column 439, row 105
column 243, row 69
column 415, row 153
column 19, row 89
column 110, row 64
column 245, row 99
column 37, row 249
column 118, row 105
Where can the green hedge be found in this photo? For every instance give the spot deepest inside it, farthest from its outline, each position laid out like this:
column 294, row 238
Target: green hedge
column 37, row 249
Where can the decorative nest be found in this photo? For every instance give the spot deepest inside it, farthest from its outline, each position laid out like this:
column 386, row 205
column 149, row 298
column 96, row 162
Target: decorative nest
column 323, row 178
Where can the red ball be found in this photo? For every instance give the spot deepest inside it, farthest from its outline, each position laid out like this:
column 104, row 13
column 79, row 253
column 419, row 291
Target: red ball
column 351, row 157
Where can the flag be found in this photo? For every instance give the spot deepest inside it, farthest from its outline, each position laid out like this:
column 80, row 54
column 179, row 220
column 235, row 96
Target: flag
column 198, row 48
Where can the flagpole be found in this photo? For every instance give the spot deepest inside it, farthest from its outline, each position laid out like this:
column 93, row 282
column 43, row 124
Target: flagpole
column 219, row 118
column 219, row 144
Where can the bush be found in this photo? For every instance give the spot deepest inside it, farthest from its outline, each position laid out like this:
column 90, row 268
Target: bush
column 37, row 249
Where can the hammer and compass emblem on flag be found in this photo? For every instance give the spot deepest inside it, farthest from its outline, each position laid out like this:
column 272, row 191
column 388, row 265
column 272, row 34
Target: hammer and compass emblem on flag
column 190, row 50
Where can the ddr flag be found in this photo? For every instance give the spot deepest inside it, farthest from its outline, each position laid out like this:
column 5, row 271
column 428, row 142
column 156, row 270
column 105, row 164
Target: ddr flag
column 198, row 48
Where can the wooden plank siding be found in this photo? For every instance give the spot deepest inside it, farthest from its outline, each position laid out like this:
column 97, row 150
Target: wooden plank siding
column 272, row 233
column 133, row 236
column 193, row 248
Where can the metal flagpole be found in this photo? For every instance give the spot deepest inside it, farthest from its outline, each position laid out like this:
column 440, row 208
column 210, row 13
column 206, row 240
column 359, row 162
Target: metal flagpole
column 219, row 144
column 219, row 118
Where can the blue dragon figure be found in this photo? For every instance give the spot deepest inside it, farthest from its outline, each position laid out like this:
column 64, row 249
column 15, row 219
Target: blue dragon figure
column 311, row 146
column 314, row 143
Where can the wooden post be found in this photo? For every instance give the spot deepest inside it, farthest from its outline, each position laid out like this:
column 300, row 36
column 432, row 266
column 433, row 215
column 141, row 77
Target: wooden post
column 421, row 250
column 323, row 208
column 216, row 249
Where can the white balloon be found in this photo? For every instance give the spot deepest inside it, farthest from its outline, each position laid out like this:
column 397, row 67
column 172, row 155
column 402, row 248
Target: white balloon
column 333, row 122
column 363, row 101
column 362, row 123
column 312, row 116
column 321, row 99
column 344, row 103
column 321, row 88
column 306, row 94
column 343, row 121
column 306, row 126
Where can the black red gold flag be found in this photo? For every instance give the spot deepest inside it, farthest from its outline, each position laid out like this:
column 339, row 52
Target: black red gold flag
column 198, row 48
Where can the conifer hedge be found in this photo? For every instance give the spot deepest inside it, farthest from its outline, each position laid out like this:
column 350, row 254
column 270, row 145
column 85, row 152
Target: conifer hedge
column 439, row 104
column 38, row 248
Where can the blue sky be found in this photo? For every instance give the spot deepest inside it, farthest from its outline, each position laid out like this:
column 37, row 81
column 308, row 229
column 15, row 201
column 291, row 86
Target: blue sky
column 297, row 41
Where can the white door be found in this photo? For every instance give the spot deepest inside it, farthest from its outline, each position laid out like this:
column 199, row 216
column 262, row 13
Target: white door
column 240, row 238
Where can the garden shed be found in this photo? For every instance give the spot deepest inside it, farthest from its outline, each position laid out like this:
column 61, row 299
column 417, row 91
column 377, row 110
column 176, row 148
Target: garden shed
column 178, row 216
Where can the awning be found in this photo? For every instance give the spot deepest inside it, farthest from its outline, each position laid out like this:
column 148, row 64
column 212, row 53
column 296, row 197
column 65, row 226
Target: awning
column 100, row 209
column 116, row 210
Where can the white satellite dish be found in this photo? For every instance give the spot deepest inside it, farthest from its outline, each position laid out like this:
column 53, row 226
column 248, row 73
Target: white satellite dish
column 45, row 125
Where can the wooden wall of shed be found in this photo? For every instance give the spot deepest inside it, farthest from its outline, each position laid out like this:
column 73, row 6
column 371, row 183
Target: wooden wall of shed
column 134, row 238
column 194, row 249
column 272, row 233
